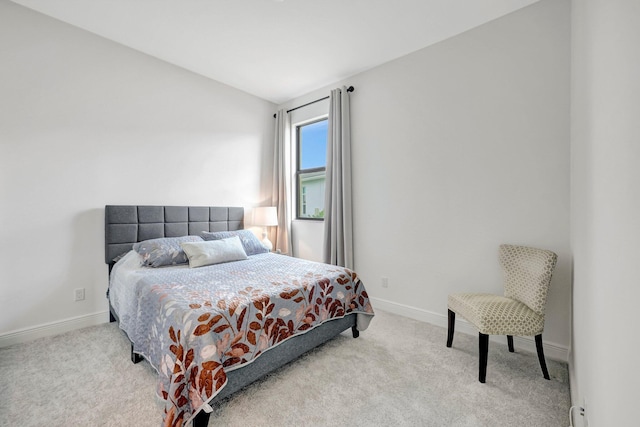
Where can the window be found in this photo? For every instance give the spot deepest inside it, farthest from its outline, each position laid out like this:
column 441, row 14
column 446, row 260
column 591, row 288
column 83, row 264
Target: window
column 311, row 151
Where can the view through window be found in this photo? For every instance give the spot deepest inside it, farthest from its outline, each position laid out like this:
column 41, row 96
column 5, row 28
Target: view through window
column 310, row 171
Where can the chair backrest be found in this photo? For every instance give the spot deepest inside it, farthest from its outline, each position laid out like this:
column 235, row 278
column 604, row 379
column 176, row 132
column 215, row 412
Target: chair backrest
column 527, row 274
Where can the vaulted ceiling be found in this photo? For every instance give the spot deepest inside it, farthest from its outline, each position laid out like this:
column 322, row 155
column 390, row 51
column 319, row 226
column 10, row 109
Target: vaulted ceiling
column 276, row 49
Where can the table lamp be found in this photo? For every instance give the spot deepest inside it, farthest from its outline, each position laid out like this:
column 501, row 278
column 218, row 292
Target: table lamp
column 265, row 217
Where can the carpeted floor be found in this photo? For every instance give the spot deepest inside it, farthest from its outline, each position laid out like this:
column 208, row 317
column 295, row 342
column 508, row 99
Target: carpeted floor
column 398, row 373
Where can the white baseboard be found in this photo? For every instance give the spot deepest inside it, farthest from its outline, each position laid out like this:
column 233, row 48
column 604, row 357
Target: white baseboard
column 551, row 350
column 53, row 328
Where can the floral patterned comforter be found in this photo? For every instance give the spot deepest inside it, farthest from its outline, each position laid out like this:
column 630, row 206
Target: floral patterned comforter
column 193, row 325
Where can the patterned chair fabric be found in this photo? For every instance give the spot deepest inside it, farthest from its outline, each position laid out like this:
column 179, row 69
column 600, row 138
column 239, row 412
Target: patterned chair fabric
column 527, row 275
column 497, row 315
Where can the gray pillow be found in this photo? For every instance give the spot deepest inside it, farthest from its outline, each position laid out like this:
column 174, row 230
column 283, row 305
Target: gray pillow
column 251, row 244
column 214, row 251
column 164, row 251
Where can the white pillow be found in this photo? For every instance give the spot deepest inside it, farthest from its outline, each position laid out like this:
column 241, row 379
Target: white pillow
column 214, row 251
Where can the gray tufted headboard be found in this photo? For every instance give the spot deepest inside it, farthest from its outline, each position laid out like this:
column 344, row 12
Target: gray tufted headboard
column 127, row 224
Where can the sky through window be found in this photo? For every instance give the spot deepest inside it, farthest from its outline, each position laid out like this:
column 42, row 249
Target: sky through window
column 313, row 139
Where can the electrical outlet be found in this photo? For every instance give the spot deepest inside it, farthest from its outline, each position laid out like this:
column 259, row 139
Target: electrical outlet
column 385, row 282
column 583, row 412
column 79, row 294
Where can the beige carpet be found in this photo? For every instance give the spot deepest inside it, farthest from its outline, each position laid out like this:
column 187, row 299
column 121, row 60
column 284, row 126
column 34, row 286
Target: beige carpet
column 398, row 373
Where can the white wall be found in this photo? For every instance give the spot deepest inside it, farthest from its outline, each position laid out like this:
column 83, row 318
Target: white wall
column 605, row 224
column 85, row 122
column 457, row 148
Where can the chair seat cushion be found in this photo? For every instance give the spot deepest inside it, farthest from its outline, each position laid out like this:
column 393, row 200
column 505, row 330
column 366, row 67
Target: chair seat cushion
column 497, row 315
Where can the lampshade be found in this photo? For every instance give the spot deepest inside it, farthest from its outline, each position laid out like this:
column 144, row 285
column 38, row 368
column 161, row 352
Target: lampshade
column 265, row 216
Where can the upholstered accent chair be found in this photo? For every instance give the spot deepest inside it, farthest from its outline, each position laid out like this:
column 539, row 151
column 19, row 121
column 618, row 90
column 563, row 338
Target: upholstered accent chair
column 527, row 275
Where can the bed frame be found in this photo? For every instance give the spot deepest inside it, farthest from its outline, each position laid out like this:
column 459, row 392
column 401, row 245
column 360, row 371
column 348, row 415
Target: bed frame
column 128, row 224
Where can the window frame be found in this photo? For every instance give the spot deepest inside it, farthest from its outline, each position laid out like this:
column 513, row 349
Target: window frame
column 300, row 172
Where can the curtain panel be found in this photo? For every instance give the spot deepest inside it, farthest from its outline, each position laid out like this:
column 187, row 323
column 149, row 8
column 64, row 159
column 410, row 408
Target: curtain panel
column 338, row 218
column 281, row 194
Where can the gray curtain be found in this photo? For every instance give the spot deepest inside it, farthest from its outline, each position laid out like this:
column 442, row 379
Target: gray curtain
column 338, row 216
column 281, row 194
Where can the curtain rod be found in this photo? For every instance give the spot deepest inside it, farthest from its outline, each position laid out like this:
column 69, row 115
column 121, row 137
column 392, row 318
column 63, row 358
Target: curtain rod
column 349, row 89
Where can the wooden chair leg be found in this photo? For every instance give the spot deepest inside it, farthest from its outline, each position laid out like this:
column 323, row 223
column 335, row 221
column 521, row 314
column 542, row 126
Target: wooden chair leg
column 510, row 343
column 452, row 327
column 543, row 364
column 484, row 350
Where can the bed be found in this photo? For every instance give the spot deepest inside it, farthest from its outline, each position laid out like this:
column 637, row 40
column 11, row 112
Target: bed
column 212, row 330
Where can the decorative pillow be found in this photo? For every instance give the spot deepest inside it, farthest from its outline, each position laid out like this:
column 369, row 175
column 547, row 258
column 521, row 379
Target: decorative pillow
column 164, row 251
column 214, row 251
column 251, row 244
